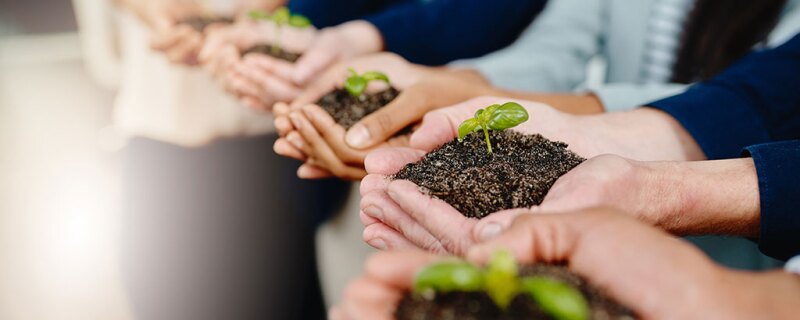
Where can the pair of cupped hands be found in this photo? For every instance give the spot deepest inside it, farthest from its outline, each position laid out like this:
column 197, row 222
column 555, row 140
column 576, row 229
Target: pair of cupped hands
column 257, row 80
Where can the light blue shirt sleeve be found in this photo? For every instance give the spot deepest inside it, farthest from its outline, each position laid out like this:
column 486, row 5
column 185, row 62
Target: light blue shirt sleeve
column 552, row 54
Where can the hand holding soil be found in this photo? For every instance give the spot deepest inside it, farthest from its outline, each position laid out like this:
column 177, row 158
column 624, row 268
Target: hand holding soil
column 675, row 281
column 682, row 198
column 460, row 180
column 423, row 90
column 251, row 74
column 329, row 154
column 177, row 26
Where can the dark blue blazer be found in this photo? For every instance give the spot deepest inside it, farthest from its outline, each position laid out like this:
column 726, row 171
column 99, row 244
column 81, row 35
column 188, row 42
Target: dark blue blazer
column 753, row 108
column 432, row 32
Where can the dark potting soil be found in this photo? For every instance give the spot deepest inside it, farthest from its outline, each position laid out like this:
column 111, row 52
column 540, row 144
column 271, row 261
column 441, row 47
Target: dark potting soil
column 348, row 110
column 518, row 173
column 478, row 305
column 266, row 49
column 200, row 23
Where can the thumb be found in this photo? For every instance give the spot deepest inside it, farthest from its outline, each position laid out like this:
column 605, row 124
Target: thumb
column 311, row 63
column 381, row 125
column 437, row 129
column 496, row 223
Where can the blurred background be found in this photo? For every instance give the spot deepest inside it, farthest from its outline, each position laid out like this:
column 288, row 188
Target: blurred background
column 59, row 161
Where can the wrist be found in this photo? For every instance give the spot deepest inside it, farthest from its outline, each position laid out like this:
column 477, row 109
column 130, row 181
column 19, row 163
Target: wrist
column 666, row 139
column 708, row 197
column 362, row 37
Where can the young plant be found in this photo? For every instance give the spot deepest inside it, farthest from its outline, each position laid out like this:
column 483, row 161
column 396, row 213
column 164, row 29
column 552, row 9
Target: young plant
column 356, row 84
column 501, row 281
column 448, row 277
column 495, row 117
column 280, row 18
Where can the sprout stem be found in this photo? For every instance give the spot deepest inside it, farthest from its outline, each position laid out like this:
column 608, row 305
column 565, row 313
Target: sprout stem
column 488, row 142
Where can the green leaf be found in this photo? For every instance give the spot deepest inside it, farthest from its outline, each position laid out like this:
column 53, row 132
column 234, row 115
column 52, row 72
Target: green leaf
column 556, row 298
column 448, row 277
column 281, row 16
column 375, row 76
column 355, row 85
column 502, row 284
column 467, row 127
column 299, row 21
column 508, row 115
column 258, row 15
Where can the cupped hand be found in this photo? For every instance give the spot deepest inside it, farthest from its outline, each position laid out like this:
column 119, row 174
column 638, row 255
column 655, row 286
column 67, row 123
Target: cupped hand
column 224, row 46
column 391, row 208
column 375, row 294
column 179, row 42
column 256, row 79
column 429, row 223
column 335, row 44
column 318, row 140
column 322, row 142
column 686, row 198
column 656, row 275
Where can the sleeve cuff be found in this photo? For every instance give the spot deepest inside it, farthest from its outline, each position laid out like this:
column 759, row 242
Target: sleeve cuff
column 719, row 121
column 778, row 168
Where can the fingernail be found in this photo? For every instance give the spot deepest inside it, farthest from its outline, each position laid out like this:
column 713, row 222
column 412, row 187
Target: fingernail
column 490, row 231
column 378, row 244
column 374, row 212
column 357, row 136
column 298, row 124
column 392, row 194
column 295, row 142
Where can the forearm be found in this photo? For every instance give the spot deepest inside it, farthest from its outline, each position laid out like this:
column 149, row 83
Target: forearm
column 706, row 197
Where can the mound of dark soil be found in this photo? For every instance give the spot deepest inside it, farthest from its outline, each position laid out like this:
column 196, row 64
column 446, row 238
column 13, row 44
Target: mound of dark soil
column 518, row 173
column 478, row 305
column 266, row 49
column 348, row 110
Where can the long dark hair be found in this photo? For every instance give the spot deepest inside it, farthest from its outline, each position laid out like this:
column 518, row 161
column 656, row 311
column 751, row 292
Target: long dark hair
column 719, row 32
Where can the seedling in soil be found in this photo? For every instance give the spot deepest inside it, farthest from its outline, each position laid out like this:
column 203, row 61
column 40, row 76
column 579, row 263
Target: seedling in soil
column 495, row 117
column 280, row 17
column 501, row 281
column 356, row 84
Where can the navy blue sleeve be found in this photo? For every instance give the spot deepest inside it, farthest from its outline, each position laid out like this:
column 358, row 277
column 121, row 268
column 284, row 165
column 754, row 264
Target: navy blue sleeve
column 778, row 167
column 755, row 101
column 436, row 32
column 328, row 13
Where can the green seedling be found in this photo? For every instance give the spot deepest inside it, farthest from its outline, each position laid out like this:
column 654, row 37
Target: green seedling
column 495, row 117
column 448, row 277
column 502, row 284
column 356, row 84
column 280, row 17
column 556, row 298
column 501, row 281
